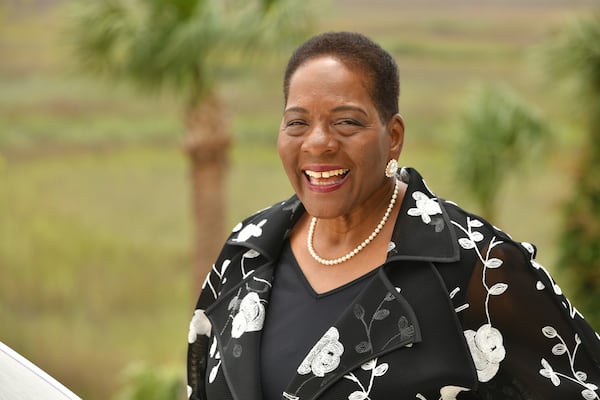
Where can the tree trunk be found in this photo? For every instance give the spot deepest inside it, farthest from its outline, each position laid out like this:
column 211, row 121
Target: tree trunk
column 207, row 141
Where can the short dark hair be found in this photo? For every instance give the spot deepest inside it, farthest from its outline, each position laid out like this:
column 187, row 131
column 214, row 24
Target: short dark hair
column 357, row 52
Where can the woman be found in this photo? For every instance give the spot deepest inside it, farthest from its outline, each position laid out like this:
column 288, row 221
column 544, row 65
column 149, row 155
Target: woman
column 365, row 285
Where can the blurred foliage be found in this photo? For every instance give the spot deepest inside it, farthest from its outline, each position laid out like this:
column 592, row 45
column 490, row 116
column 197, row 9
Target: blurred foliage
column 500, row 136
column 179, row 44
column 143, row 382
column 576, row 54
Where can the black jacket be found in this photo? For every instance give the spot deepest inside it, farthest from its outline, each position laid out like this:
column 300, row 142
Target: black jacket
column 458, row 310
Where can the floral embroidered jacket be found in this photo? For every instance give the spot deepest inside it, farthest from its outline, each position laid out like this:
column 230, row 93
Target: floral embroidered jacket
column 458, row 311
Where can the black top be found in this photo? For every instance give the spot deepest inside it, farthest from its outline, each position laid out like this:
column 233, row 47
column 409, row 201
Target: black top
column 297, row 318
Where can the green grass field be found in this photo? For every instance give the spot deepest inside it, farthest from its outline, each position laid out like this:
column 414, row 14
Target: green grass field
column 95, row 221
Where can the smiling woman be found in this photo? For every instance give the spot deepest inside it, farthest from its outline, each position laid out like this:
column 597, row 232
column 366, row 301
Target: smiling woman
column 365, row 284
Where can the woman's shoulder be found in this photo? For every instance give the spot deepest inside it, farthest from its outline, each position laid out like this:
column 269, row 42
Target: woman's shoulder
column 476, row 234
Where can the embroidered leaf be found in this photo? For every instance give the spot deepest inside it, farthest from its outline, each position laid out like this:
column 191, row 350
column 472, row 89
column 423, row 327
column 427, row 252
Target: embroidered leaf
column 381, row 369
column 559, row 349
column 389, row 297
column 369, row 365
column 213, row 373
column 475, row 223
column 581, row 376
column 358, row 395
column 381, row 314
column 476, row 236
column 577, row 339
column 363, row 347
column 359, row 311
column 529, row 247
column 466, row 243
column 549, row 332
column 493, row 263
column 540, row 286
column 213, row 348
column 234, row 304
column 498, row 289
column 588, row 394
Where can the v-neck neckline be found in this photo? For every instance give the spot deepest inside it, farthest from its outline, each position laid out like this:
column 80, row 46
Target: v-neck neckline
column 308, row 287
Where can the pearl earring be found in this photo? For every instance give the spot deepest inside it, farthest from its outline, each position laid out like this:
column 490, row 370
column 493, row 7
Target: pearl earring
column 391, row 168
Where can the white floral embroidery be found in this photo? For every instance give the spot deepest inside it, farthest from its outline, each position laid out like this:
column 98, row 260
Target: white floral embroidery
column 446, row 393
column 589, row 391
column 199, row 325
column 250, row 317
column 391, row 246
column 238, row 227
column 487, row 350
column 324, row 357
column 450, row 392
column 376, row 371
column 217, row 356
column 249, row 231
column 486, row 345
column 426, row 207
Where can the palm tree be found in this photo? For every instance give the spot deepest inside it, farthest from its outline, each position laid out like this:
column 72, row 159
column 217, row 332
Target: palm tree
column 499, row 133
column 576, row 54
column 177, row 44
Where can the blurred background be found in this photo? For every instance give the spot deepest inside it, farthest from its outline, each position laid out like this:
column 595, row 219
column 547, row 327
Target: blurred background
column 100, row 183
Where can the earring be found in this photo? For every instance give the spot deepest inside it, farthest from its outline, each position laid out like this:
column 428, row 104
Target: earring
column 391, row 168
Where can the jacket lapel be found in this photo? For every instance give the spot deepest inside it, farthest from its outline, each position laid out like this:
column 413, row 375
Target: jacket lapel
column 237, row 319
column 380, row 320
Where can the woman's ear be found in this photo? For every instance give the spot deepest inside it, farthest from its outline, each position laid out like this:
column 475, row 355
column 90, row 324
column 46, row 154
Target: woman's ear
column 396, row 130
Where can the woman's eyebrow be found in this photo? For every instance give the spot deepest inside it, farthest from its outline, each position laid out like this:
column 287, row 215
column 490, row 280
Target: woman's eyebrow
column 350, row 108
column 295, row 109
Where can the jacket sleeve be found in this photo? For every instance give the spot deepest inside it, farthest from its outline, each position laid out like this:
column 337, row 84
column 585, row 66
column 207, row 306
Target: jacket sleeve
column 526, row 338
column 200, row 334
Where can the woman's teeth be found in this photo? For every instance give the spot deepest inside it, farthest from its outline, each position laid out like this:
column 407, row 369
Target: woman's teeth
column 323, row 177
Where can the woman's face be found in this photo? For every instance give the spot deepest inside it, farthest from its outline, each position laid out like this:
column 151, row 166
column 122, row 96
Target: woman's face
column 332, row 143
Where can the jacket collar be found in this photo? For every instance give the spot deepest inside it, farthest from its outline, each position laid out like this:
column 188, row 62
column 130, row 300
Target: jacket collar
column 422, row 230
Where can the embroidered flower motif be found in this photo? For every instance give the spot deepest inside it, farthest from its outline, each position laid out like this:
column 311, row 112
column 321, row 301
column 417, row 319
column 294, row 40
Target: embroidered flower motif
column 250, row 317
column 249, row 231
column 426, row 207
column 324, row 357
column 199, row 325
column 487, row 350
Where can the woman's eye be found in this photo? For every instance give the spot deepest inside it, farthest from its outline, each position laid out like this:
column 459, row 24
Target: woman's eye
column 348, row 122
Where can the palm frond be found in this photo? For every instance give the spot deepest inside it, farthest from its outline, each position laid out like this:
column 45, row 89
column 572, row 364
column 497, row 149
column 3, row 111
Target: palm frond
column 176, row 43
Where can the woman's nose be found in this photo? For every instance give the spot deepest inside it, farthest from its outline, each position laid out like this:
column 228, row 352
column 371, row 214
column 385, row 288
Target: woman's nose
column 319, row 140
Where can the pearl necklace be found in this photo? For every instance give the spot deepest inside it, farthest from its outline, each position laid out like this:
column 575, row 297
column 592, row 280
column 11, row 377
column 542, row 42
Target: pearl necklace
column 360, row 247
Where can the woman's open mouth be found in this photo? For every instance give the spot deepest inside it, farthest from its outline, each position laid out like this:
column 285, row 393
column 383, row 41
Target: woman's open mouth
column 329, row 178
